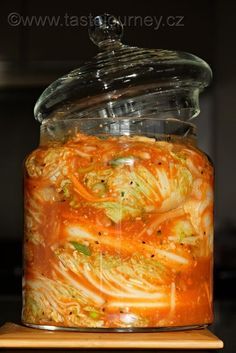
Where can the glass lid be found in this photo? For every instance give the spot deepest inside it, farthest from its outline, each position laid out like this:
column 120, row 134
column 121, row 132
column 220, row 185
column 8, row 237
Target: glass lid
column 119, row 72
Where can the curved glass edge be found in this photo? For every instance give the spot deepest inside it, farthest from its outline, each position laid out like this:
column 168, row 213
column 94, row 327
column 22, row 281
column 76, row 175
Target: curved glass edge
column 143, row 101
column 117, row 329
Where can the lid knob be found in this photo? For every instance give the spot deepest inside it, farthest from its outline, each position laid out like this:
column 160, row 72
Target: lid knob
column 106, row 30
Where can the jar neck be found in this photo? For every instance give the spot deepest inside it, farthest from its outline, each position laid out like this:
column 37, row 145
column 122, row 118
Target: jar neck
column 155, row 113
column 161, row 129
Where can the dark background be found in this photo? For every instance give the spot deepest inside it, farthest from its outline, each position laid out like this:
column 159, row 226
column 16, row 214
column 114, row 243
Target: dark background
column 32, row 56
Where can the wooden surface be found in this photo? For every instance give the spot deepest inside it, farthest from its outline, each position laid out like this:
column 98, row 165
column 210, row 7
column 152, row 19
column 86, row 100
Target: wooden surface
column 16, row 336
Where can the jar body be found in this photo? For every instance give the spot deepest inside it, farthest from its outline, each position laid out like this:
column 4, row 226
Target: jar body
column 118, row 231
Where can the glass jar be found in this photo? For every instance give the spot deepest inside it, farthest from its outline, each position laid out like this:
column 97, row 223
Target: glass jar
column 118, row 198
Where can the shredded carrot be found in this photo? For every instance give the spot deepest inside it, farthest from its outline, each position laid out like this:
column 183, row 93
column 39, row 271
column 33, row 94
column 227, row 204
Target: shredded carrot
column 85, row 194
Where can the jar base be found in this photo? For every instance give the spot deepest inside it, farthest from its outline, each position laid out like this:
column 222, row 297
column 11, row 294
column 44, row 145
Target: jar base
column 116, row 329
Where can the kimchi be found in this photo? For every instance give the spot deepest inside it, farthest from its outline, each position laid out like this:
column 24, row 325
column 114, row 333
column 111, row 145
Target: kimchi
column 118, row 233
